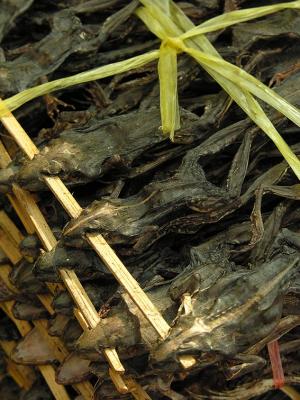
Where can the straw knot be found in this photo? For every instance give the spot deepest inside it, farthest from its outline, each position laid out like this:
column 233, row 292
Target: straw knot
column 175, row 43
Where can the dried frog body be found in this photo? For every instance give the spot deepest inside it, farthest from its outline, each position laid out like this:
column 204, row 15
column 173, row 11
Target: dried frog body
column 183, row 202
column 86, row 264
column 85, row 154
column 66, row 37
column 98, row 294
column 73, row 370
column 127, row 331
column 161, row 207
column 34, row 349
column 29, row 309
column 219, row 318
column 123, row 330
column 161, row 261
column 22, row 277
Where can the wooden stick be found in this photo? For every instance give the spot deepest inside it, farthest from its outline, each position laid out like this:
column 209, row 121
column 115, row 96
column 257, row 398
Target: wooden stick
column 9, row 228
column 118, row 381
column 136, row 390
column 290, row 392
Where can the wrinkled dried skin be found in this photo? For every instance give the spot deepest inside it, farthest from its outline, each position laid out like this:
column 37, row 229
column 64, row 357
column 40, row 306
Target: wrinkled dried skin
column 66, row 37
column 63, row 302
column 73, row 370
column 29, row 310
column 86, row 264
column 86, row 153
column 161, row 207
column 22, row 277
column 71, row 333
column 33, row 349
column 220, row 305
column 220, row 319
column 57, row 325
column 278, row 25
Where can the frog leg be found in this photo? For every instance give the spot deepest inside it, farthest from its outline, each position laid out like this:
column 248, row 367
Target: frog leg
column 53, row 102
column 288, row 192
column 285, row 325
column 164, row 387
column 280, row 76
column 271, row 227
column 242, row 364
column 239, row 165
column 52, row 105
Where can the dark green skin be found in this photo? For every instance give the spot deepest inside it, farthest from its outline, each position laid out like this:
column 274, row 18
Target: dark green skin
column 161, row 261
column 84, row 154
column 44, row 56
column 161, row 207
column 280, row 25
column 63, row 302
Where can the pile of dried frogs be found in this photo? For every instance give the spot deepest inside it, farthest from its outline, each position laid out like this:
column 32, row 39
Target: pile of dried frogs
column 208, row 224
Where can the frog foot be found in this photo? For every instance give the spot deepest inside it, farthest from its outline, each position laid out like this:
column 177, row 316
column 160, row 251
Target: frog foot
column 52, row 105
column 280, row 76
